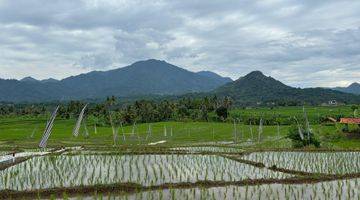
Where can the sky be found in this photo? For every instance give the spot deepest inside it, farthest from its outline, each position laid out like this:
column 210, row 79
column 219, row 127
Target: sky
column 308, row 43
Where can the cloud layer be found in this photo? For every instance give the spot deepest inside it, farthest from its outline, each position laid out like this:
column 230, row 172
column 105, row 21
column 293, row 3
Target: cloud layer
column 302, row 43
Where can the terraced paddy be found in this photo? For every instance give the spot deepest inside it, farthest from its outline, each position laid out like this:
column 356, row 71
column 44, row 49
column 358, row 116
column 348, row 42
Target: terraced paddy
column 342, row 189
column 88, row 174
column 194, row 160
column 321, row 162
column 79, row 170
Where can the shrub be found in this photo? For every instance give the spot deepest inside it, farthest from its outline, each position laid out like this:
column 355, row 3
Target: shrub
column 222, row 112
column 297, row 141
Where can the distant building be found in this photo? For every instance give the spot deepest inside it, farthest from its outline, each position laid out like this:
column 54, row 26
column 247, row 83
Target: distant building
column 332, row 102
column 350, row 121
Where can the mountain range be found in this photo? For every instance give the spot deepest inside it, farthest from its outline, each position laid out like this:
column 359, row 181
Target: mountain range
column 353, row 88
column 149, row 77
column 159, row 78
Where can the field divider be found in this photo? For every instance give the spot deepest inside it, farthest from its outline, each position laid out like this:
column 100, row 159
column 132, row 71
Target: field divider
column 19, row 160
column 177, row 152
column 8, row 164
column 299, row 173
column 129, row 188
column 318, row 150
column 276, row 169
column 249, row 162
column 294, row 172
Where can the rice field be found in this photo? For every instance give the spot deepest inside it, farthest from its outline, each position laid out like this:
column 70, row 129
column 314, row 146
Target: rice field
column 193, row 154
column 200, row 149
column 326, row 162
column 83, row 168
column 342, row 189
column 69, row 171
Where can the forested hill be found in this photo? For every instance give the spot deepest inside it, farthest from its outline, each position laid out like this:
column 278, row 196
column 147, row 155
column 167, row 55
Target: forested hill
column 149, row 77
column 256, row 88
column 353, row 88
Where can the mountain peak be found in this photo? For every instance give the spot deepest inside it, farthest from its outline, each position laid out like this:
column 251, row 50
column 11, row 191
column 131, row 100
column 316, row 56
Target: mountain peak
column 355, row 84
column 353, row 88
column 256, row 88
column 255, row 74
column 49, row 80
column 28, row 79
column 150, row 61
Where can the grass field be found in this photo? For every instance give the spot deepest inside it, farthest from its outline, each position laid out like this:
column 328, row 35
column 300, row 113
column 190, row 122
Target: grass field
column 312, row 111
column 16, row 132
column 27, row 131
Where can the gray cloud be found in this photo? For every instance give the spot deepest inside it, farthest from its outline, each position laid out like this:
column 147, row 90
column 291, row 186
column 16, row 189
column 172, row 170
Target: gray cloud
column 303, row 43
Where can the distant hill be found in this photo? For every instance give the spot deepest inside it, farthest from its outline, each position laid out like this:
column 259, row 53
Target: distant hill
column 256, row 88
column 31, row 79
column 354, row 88
column 49, row 80
column 216, row 77
column 28, row 79
column 140, row 78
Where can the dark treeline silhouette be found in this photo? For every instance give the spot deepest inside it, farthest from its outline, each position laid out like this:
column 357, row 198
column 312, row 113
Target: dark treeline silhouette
column 140, row 111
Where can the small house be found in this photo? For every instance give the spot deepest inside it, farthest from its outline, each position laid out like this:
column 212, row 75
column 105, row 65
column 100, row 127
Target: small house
column 348, row 121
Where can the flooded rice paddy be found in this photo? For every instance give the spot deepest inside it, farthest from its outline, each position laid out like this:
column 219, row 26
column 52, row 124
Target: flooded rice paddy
column 79, row 169
column 342, row 189
column 69, row 171
column 324, row 162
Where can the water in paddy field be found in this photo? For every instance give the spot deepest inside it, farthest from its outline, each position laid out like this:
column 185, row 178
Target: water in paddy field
column 208, row 149
column 87, row 168
column 324, row 162
column 69, row 171
column 342, row 189
column 7, row 156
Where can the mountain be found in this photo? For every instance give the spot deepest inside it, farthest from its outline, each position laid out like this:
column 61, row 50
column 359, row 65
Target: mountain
column 354, row 88
column 49, row 80
column 255, row 88
column 147, row 77
column 216, row 77
column 31, row 79
column 28, row 79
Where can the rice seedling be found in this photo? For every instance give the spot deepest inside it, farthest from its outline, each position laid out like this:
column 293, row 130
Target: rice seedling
column 198, row 149
column 77, row 170
column 324, row 162
column 342, row 189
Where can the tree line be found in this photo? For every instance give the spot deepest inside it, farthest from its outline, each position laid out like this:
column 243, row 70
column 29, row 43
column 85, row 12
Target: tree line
column 140, row 111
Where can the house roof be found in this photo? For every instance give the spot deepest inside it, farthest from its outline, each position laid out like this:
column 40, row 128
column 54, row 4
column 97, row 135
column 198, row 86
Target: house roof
column 350, row 120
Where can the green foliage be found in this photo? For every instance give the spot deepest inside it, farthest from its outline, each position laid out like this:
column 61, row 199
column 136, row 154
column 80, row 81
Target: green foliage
column 356, row 113
column 222, row 113
column 284, row 115
column 354, row 107
column 297, row 141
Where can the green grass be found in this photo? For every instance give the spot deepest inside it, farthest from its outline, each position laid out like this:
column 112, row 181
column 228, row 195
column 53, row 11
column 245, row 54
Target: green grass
column 19, row 131
column 16, row 131
column 297, row 111
column 283, row 115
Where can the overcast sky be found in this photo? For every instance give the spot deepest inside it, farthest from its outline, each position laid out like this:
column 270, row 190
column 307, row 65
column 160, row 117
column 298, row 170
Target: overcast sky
column 302, row 43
